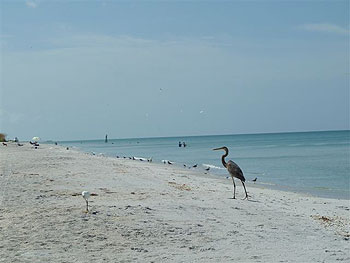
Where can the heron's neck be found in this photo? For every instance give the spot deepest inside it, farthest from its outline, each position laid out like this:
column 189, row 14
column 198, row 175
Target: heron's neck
column 223, row 160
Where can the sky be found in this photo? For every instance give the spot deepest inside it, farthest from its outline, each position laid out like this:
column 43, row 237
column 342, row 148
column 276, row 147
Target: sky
column 75, row 70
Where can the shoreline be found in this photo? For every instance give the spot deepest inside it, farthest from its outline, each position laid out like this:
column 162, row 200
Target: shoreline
column 315, row 191
column 146, row 212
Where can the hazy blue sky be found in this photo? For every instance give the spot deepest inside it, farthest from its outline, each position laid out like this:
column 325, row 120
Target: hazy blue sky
column 81, row 69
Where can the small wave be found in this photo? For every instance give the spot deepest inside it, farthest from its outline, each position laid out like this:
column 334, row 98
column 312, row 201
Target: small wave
column 142, row 158
column 322, row 188
column 167, row 161
column 212, row 166
column 321, row 144
column 268, row 146
column 263, row 183
column 255, row 173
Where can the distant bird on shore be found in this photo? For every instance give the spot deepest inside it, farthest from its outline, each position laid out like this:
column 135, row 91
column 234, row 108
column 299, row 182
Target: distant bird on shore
column 254, row 180
column 233, row 170
column 207, row 169
column 86, row 196
column 5, row 144
column 194, row 166
column 170, row 162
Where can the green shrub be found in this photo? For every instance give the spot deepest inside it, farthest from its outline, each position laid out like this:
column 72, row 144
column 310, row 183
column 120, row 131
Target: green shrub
column 2, row 137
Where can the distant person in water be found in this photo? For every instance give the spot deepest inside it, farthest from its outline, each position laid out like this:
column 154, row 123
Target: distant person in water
column 106, row 140
column 184, row 144
column 180, row 144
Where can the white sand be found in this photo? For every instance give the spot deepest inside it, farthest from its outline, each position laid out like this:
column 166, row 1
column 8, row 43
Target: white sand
column 154, row 213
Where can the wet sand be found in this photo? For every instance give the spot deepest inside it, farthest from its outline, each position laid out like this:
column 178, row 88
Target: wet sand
column 147, row 212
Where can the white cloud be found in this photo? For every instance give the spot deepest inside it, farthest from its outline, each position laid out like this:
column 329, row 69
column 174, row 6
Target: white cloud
column 325, row 27
column 93, row 41
column 31, row 4
column 4, row 40
column 11, row 117
column 4, row 36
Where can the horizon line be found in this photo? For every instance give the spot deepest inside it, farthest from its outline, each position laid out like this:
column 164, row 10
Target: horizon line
column 204, row 135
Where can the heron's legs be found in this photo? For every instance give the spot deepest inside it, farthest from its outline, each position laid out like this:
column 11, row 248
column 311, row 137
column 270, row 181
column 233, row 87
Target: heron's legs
column 87, row 205
column 246, row 194
column 234, row 188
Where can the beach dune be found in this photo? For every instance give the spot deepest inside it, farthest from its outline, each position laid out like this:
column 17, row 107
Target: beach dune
column 147, row 212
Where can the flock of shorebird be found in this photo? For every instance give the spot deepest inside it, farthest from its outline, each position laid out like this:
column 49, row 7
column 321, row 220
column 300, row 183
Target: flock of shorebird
column 136, row 158
column 163, row 161
column 234, row 170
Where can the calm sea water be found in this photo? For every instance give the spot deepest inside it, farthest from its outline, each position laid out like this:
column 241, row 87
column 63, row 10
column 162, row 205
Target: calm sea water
column 312, row 162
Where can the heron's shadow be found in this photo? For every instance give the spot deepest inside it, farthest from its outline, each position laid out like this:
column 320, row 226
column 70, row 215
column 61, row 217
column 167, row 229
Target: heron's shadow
column 250, row 200
column 254, row 201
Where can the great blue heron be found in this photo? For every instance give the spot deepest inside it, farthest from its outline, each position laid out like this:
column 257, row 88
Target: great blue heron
column 234, row 171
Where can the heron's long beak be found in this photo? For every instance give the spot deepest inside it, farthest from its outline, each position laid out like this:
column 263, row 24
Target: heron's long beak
column 221, row 148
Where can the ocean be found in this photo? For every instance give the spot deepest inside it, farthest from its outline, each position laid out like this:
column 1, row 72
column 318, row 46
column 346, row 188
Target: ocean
column 317, row 163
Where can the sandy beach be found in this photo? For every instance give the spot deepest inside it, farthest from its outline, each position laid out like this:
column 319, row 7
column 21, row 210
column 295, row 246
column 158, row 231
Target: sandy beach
column 148, row 212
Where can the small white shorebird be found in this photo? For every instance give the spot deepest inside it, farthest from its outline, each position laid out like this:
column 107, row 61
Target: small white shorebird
column 86, row 196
